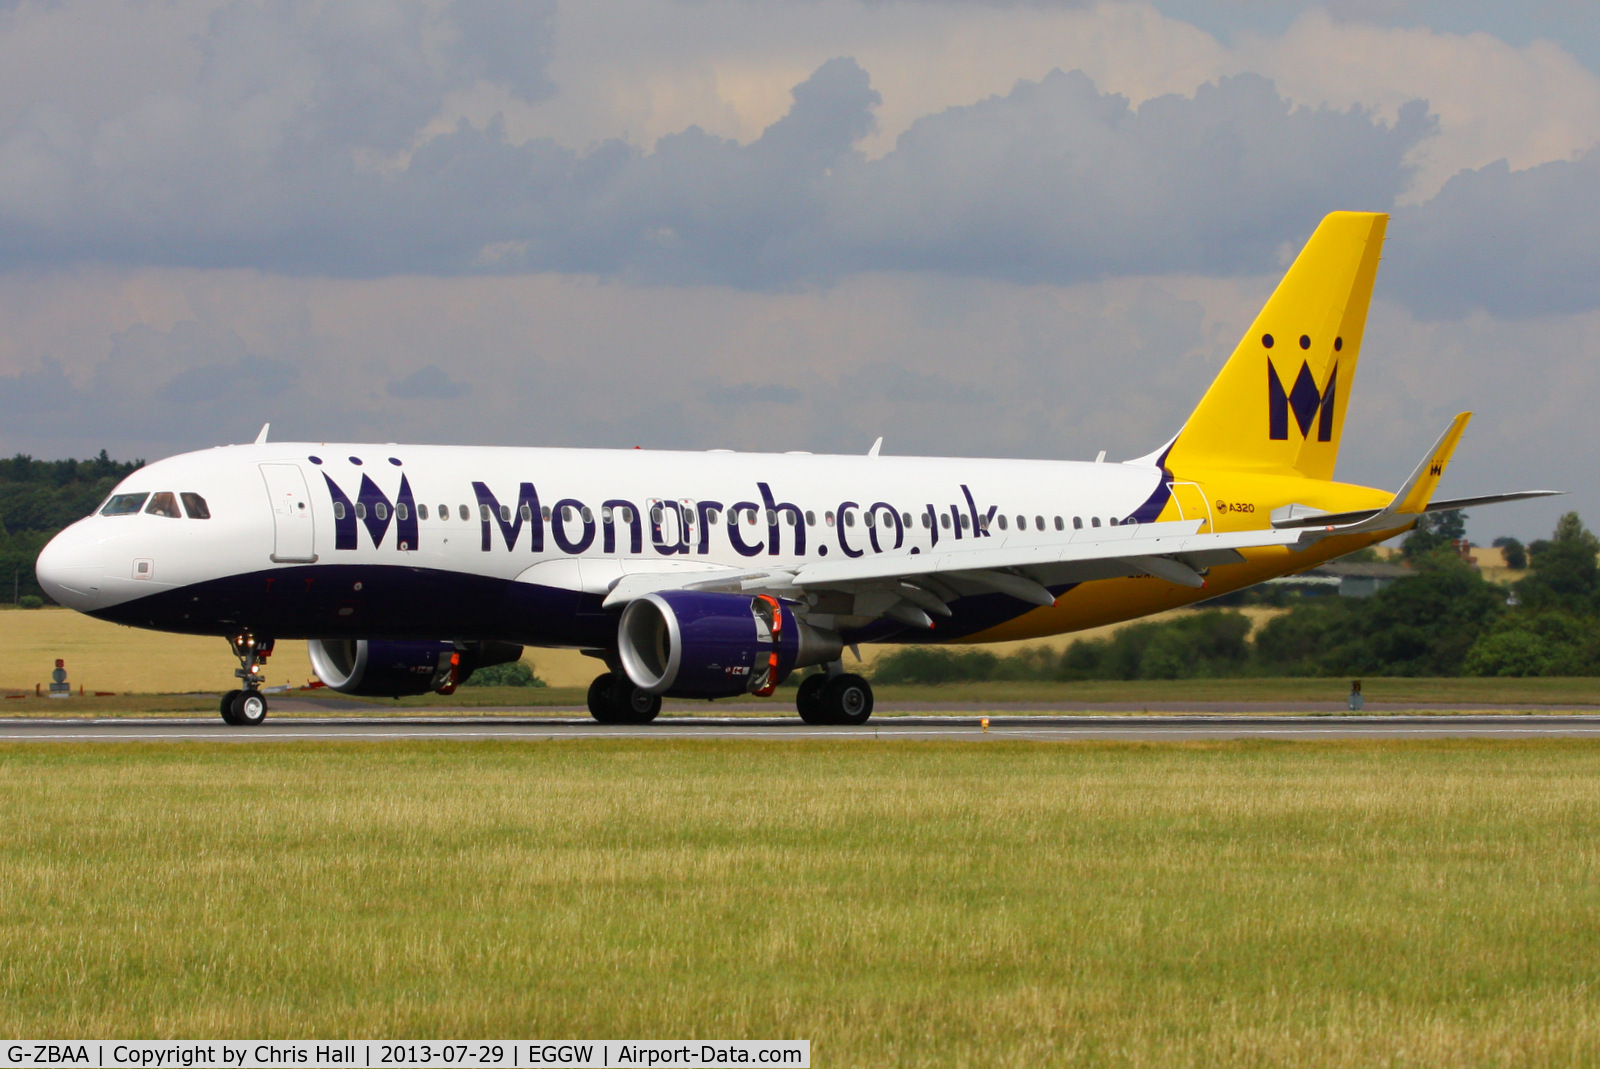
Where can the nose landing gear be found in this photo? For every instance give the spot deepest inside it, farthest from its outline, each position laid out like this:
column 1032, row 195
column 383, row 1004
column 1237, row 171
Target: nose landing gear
column 247, row 707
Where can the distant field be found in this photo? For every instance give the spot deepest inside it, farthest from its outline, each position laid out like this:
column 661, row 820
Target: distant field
column 136, row 664
column 105, row 656
column 896, row 903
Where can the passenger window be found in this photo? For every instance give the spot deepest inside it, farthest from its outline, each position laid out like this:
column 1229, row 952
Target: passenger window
column 195, row 506
column 1022, row 523
column 1038, row 523
column 544, row 513
column 828, row 518
column 966, row 523
column 381, row 511
column 466, row 514
column 123, row 504
column 586, row 515
column 1094, row 521
column 483, row 513
column 1077, row 523
column 870, row 518
column 361, row 511
column 401, row 512
column 924, row 521
column 811, row 518
column 1002, row 523
column 338, row 510
column 164, row 504
column 713, row 516
column 1112, row 521
column 750, row 516
column 526, row 511
column 772, row 517
column 789, row 516
column 1059, row 525
column 944, row 521
column 422, row 512
column 656, row 514
column 849, row 518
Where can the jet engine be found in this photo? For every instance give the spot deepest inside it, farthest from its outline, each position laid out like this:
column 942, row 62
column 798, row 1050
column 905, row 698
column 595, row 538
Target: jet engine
column 693, row 644
column 387, row 669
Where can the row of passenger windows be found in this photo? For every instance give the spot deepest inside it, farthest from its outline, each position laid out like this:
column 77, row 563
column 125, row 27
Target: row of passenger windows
column 713, row 516
column 164, row 503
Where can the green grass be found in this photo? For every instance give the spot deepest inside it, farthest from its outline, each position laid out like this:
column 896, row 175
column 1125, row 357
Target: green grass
column 1566, row 693
column 896, row 903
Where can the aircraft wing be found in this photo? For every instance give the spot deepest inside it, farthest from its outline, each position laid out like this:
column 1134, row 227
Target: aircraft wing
column 1174, row 551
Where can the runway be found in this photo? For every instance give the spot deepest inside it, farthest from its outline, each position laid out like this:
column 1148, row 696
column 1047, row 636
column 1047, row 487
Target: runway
column 959, row 728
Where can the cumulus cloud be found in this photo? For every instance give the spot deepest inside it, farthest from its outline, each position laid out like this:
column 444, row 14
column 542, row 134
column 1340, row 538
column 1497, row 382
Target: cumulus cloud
column 1055, row 180
column 1514, row 243
column 428, row 383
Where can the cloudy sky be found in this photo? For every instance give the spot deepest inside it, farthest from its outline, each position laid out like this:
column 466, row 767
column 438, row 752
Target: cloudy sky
column 1001, row 229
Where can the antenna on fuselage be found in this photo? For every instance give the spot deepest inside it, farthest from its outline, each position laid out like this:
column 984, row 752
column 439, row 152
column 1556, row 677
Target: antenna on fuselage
column 261, row 438
column 875, row 447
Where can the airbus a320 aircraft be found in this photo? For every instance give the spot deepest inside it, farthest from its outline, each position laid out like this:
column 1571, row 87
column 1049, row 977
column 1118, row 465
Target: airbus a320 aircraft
column 709, row 575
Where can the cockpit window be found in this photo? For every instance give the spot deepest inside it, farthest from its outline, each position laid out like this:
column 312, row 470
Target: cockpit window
column 123, row 504
column 195, row 505
column 164, row 504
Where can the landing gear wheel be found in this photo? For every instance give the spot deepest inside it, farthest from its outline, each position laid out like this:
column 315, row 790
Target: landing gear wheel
column 809, row 699
column 249, row 708
column 613, row 699
column 846, row 699
column 227, row 708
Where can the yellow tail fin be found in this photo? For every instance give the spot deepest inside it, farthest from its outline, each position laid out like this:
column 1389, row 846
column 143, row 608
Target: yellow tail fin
column 1278, row 406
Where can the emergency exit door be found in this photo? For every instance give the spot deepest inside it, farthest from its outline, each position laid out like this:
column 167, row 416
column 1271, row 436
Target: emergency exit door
column 294, row 539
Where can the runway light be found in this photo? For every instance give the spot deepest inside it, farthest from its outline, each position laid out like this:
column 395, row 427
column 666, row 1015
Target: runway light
column 985, row 723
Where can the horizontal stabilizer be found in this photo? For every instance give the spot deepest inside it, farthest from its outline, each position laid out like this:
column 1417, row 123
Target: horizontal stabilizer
column 1336, row 519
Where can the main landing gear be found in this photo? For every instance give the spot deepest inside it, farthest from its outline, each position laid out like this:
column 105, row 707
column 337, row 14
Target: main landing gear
column 613, row 699
column 247, row 707
column 834, row 699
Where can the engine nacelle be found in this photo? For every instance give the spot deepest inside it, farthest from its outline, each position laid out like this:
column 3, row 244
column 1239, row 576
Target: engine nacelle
column 692, row 644
column 385, row 669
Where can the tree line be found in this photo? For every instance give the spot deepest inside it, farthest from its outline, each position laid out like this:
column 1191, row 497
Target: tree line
column 39, row 498
column 1444, row 619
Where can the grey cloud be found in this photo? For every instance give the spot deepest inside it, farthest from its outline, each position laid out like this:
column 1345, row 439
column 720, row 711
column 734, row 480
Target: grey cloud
column 508, row 42
column 262, row 165
column 427, row 383
column 745, row 393
column 1517, row 244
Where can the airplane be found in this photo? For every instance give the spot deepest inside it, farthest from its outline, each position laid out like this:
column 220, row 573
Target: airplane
column 717, row 574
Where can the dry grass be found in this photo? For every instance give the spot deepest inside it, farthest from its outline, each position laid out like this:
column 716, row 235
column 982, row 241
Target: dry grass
column 111, row 657
column 125, row 660
column 897, row 903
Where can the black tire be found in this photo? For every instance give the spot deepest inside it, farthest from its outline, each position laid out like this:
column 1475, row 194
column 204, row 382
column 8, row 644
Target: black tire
column 847, row 699
column 600, row 704
column 227, row 708
column 808, row 699
column 613, row 699
column 249, row 708
column 633, row 705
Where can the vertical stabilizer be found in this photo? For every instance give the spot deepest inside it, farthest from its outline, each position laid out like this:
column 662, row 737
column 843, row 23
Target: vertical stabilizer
column 1279, row 404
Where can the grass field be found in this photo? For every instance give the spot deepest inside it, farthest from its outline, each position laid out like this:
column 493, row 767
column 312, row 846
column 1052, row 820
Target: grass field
column 111, row 657
column 896, row 903
column 1267, row 695
column 149, row 672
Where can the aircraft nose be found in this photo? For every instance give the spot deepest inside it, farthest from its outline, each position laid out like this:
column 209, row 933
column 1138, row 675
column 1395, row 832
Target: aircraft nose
column 71, row 568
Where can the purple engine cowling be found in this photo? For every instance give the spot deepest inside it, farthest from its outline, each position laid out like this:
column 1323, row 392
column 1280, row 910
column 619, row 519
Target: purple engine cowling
column 393, row 669
column 694, row 644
